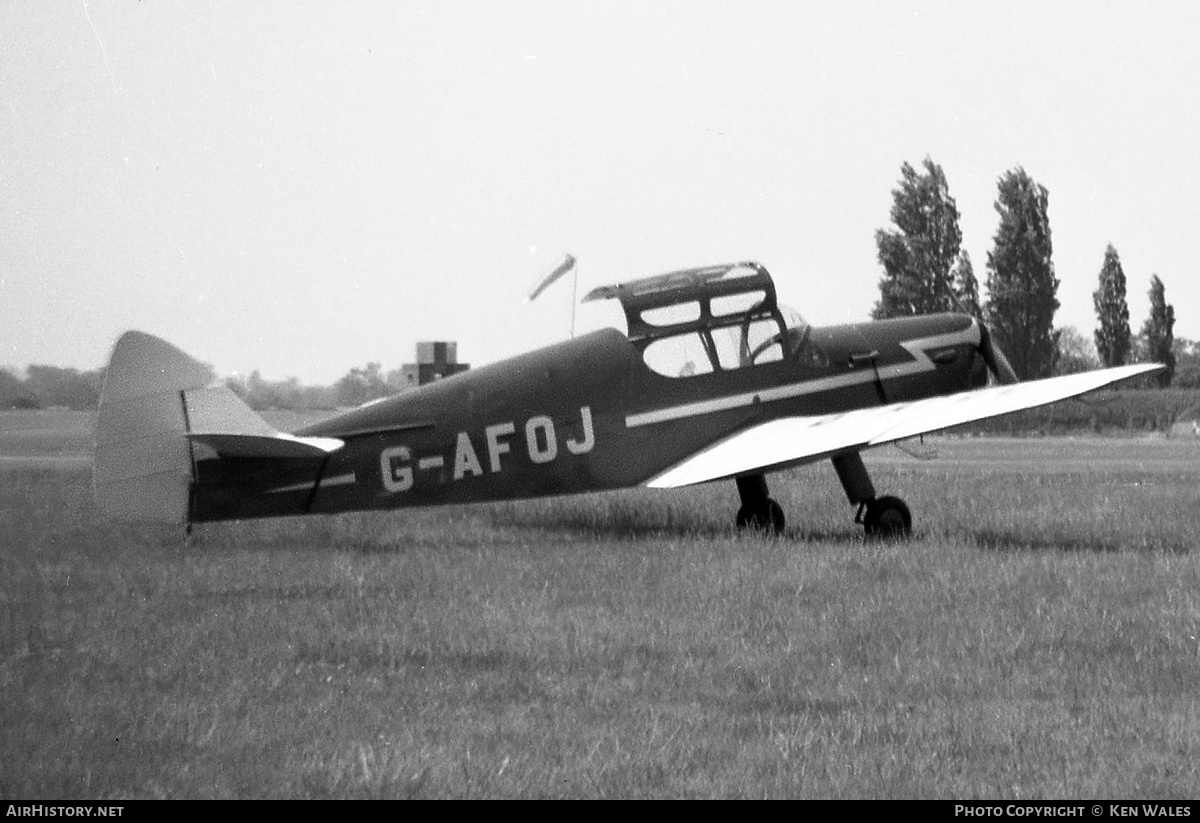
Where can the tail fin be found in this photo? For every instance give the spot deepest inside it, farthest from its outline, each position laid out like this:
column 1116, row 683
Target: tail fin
column 143, row 464
column 156, row 402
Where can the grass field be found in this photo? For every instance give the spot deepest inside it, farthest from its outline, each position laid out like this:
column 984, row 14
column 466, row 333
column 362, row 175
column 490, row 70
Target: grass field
column 1040, row 637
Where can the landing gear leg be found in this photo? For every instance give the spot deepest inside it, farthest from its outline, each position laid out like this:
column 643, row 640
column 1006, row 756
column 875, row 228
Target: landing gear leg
column 758, row 512
column 882, row 517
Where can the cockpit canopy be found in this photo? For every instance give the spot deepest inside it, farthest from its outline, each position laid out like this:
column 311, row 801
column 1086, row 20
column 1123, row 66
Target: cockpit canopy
column 712, row 319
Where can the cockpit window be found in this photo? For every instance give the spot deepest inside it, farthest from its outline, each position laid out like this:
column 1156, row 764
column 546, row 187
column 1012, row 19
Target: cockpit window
column 792, row 318
column 672, row 314
column 711, row 319
column 736, row 303
column 751, row 344
column 724, row 348
column 803, row 350
column 681, row 355
column 799, row 344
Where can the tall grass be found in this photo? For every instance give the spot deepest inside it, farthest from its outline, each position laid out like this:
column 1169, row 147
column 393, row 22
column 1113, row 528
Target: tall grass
column 1038, row 638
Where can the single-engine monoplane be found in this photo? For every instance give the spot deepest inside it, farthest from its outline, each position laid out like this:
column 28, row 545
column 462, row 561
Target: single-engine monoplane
column 714, row 380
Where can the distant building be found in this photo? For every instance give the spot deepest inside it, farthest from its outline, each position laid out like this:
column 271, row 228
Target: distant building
column 435, row 359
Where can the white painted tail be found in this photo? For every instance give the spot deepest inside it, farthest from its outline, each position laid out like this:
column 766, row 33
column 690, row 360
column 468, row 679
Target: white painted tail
column 143, row 464
column 156, row 403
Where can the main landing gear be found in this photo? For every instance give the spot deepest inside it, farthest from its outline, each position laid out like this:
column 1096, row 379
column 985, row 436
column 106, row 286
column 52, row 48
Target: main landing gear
column 759, row 512
column 885, row 517
column 881, row 517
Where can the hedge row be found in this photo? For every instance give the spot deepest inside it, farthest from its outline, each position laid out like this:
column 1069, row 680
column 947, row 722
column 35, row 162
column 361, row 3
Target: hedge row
column 1138, row 410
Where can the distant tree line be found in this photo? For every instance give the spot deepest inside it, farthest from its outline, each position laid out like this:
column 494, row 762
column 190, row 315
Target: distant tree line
column 357, row 386
column 48, row 387
column 45, row 387
column 926, row 270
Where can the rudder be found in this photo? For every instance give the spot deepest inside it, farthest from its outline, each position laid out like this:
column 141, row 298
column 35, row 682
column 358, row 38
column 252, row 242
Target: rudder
column 143, row 465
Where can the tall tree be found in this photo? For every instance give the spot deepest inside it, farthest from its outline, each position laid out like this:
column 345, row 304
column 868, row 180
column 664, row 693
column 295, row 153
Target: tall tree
column 918, row 254
column 1159, row 331
column 966, row 287
column 1022, row 288
column 1112, row 335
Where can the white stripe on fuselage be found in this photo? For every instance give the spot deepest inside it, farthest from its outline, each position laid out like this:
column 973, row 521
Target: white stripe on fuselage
column 335, row 480
column 919, row 364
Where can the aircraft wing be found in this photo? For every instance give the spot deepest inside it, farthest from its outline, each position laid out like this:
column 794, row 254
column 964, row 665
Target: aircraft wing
column 792, row 441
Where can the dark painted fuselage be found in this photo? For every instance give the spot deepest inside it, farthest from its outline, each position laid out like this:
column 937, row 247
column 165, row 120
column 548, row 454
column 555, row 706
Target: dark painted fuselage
column 583, row 415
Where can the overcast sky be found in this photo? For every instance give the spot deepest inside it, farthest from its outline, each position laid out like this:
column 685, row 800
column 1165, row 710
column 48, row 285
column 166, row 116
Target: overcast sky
column 305, row 187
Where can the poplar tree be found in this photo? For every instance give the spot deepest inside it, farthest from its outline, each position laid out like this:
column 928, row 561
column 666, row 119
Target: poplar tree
column 966, row 287
column 1159, row 331
column 1022, row 288
column 917, row 256
column 1113, row 342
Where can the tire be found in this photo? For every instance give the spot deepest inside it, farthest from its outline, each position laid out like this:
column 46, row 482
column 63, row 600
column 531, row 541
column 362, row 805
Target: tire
column 768, row 520
column 888, row 518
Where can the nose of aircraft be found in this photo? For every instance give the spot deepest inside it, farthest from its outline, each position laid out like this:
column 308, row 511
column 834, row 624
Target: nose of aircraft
column 994, row 359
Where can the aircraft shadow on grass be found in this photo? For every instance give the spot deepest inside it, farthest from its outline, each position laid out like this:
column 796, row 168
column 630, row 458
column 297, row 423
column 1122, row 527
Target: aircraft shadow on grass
column 997, row 541
column 617, row 527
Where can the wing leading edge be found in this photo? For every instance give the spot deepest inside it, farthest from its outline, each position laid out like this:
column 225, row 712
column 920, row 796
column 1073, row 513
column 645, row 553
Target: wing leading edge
column 792, row 441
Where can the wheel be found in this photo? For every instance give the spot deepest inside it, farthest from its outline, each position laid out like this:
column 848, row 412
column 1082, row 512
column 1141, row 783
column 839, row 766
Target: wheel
column 887, row 518
column 767, row 519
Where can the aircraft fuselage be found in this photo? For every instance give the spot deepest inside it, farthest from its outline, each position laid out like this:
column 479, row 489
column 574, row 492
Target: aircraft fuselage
column 583, row 415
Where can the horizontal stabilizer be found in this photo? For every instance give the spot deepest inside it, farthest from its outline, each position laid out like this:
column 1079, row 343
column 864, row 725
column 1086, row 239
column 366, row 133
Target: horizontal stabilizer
column 793, row 441
column 218, row 418
column 278, row 444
